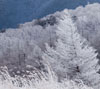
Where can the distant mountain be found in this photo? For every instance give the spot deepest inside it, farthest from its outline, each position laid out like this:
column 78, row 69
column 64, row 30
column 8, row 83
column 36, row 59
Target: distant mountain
column 14, row 12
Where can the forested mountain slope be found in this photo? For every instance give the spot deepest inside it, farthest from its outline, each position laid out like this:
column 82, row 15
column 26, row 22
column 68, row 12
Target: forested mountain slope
column 48, row 47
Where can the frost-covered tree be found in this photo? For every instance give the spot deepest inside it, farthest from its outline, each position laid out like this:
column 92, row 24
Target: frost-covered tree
column 17, row 53
column 88, row 23
column 73, row 57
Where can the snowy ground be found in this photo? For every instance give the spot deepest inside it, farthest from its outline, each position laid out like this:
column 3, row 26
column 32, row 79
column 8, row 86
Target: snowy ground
column 44, row 83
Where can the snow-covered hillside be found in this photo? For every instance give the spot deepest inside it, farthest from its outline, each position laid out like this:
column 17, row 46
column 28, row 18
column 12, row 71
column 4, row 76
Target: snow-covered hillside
column 48, row 53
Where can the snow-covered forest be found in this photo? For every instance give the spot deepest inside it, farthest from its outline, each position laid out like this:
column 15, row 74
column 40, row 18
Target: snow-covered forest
column 59, row 51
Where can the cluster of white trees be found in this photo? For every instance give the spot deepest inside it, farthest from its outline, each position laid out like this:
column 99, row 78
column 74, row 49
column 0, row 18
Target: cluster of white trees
column 73, row 57
column 69, row 55
column 24, row 45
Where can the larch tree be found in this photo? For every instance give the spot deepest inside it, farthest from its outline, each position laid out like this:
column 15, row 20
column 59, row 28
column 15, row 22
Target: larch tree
column 72, row 55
